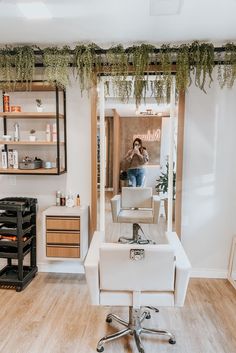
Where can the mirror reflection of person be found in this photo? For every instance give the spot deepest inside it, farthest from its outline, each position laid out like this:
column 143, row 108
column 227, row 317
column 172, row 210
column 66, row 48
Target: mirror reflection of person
column 136, row 158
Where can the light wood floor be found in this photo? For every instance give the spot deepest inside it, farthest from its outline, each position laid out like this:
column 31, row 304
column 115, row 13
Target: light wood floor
column 53, row 315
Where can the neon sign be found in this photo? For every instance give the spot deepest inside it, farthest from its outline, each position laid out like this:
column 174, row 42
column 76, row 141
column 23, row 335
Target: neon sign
column 155, row 135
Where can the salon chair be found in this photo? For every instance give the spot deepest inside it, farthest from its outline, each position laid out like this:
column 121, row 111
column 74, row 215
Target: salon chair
column 135, row 205
column 139, row 277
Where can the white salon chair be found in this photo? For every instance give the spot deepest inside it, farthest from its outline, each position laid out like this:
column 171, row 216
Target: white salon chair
column 135, row 205
column 136, row 276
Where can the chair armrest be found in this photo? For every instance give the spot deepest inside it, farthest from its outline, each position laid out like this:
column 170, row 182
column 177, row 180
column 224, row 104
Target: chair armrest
column 91, row 266
column 156, row 208
column 182, row 271
column 115, row 207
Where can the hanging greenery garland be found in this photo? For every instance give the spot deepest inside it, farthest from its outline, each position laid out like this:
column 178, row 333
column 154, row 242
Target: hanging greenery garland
column 116, row 65
column 140, row 59
column 7, row 71
column 24, row 62
column 194, row 63
column 230, row 67
column 87, row 63
column 183, row 68
column 201, row 58
column 57, row 62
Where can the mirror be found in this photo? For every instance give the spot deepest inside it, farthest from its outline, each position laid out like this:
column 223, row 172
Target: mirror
column 120, row 124
column 232, row 264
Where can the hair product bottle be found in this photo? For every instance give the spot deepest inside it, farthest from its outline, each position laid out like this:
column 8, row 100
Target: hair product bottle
column 4, row 159
column 58, row 196
column 48, row 133
column 6, row 102
column 10, row 158
column 15, row 159
column 70, row 200
column 54, row 132
column 16, row 132
column 62, row 200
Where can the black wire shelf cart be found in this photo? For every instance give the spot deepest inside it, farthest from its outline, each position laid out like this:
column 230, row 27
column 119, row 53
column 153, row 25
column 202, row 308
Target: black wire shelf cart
column 17, row 239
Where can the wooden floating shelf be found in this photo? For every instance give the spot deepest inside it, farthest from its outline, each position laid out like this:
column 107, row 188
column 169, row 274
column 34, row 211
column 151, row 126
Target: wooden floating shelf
column 29, row 115
column 31, row 143
column 35, row 86
column 28, row 171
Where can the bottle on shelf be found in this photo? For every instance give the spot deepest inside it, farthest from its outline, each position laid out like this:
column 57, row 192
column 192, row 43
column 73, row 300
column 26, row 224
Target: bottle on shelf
column 78, row 200
column 54, row 132
column 48, row 133
column 58, row 197
column 4, row 159
column 62, row 200
column 16, row 132
column 6, row 103
column 70, row 200
column 10, row 158
column 15, row 159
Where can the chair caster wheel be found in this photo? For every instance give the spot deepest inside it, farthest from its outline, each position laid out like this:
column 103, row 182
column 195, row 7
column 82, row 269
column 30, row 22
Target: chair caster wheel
column 109, row 320
column 100, row 349
column 148, row 316
column 171, row 341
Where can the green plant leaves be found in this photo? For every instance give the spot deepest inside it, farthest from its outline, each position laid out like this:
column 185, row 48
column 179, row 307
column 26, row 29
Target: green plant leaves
column 162, row 182
column 56, row 62
column 191, row 63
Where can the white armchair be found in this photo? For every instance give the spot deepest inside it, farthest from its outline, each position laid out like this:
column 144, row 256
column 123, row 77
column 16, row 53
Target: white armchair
column 135, row 205
column 136, row 276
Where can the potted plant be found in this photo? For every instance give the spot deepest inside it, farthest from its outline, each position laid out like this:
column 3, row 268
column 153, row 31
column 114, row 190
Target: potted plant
column 32, row 136
column 39, row 105
column 162, row 187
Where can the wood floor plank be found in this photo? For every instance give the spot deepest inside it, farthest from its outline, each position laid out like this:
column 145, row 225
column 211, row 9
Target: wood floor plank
column 53, row 315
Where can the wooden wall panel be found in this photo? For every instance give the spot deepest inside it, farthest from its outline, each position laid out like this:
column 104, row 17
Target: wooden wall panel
column 93, row 209
column 179, row 166
column 116, row 152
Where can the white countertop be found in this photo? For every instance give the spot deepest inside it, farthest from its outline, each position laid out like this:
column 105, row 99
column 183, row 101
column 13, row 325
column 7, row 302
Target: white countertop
column 65, row 211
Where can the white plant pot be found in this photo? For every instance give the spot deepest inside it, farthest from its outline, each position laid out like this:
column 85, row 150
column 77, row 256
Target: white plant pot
column 32, row 138
column 39, row 109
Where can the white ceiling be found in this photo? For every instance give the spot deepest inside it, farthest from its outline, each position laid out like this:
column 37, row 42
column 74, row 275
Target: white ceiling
column 119, row 21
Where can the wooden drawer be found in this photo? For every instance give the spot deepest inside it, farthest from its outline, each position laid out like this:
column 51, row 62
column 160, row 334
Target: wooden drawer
column 63, row 223
column 63, row 251
column 63, row 238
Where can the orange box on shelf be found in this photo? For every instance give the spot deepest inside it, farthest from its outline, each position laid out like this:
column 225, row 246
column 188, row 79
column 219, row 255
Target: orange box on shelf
column 16, row 108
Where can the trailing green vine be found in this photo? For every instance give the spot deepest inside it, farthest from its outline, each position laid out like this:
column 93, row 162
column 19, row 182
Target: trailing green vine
column 117, row 67
column 87, row 63
column 7, row 71
column 182, row 68
column 201, row 58
column 230, row 67
column 192, row 63
column 24, row 62
column 57, row 62
column 140, row 59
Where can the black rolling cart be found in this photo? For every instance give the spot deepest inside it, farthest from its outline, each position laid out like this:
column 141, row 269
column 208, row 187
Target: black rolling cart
column 17, row 239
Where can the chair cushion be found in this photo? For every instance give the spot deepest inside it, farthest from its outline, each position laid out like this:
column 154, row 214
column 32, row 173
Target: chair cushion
column 135, row 216
column 136, row 197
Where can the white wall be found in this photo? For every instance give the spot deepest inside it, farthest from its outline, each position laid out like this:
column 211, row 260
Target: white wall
column 209, row 193
column 77, row 179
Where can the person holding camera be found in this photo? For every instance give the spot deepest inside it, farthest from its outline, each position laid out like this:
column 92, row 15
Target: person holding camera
column 136, row 158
